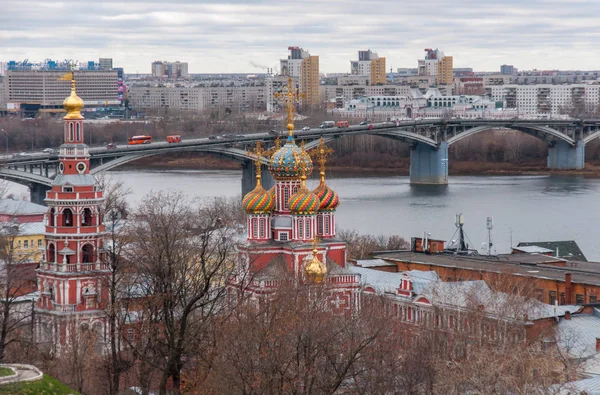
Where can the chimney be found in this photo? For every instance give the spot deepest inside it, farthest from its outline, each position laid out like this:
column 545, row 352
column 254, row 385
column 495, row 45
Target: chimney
column 568, row 291
column 598, row 344
column 568, row 316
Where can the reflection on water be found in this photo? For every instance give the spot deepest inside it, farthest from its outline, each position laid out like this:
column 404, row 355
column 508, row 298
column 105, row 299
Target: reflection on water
column 533, row 208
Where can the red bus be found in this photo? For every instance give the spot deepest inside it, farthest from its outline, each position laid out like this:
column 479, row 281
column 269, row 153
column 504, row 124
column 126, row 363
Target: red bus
column 343, row 124
column 139, row 140
column 174, row 139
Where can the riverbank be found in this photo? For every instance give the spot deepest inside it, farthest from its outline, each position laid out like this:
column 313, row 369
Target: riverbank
column 399, row 167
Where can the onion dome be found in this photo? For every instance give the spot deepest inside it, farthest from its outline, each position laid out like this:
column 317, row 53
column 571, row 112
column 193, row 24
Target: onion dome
column 304, row 202
column 273, row 193
column 315, row 270
column 73, row 104
column 258, row 201
column 328, row 197
column 289, row 162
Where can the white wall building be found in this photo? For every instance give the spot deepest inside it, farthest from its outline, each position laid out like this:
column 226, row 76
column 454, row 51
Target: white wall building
column 547, row 100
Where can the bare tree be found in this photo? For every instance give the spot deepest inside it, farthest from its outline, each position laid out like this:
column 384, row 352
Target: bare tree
column 182, row 254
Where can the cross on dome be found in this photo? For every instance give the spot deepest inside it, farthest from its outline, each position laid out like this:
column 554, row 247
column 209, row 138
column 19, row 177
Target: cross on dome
column 290, row 96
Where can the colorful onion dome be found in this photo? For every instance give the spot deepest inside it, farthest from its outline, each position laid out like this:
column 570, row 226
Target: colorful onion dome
column 258, row 201
column 315, row 270
column 304, row 202
column 289, row 162
column 328, row 197
column 273, row 193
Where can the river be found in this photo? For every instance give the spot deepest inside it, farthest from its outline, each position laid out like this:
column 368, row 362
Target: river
column 526, row 208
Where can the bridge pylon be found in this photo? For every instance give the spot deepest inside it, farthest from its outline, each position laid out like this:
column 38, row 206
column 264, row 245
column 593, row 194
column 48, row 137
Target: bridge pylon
column 564, row 156
column 429, row 165
column 249, row 179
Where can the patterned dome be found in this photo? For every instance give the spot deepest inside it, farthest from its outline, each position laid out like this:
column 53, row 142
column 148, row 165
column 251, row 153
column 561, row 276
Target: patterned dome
column 289, row 162
column 314, row 269
column 328, row 197
column 304, row 201
column 258, row 201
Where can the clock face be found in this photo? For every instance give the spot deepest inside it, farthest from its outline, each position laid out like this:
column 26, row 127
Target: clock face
column 61, row 168
column 81, row 167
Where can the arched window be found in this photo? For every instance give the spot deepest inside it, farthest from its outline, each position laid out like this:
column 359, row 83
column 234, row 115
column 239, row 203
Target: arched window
column 51, row 217
column 78, row 132
column 262, row 227
column 51, row 256
column 67, row 217
column 87, row 254
column 71, row 131
column 327, row 225
column 300, row 228
column 86, row 217
column 286, row 197
column 320, row 224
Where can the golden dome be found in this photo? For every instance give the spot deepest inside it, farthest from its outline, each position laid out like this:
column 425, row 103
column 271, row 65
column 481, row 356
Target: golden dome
column 73, row 104
column 315, row 270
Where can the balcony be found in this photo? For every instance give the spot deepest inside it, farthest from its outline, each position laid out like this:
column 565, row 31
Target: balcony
column 73, row 267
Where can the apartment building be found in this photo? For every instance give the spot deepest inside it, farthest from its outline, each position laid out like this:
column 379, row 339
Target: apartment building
column 438, row 65
column 305, row 67
column 349, row 92
column 44, row 89
column 371, row 65
column 174, row 70
column 445, row 71
column 547, row 100
column 239, row 98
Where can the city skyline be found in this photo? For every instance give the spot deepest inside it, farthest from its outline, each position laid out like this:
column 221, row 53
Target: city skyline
column 241, row 36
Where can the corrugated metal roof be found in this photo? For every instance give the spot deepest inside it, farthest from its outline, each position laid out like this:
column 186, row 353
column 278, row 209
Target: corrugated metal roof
column 21, row 207
column 373, row 263
column 532, row 249
column 589, row 386
column 578, row 335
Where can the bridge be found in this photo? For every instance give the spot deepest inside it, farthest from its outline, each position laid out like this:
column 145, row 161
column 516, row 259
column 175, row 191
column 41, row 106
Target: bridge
column 429, row 140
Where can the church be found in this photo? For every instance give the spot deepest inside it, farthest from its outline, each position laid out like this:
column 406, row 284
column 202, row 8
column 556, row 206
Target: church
column 291, row 228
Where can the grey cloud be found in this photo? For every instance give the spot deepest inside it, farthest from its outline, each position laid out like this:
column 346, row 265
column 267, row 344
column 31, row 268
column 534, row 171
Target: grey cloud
column 216, row 36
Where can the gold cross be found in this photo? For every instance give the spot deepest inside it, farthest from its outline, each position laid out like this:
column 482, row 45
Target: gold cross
column 289, row 96
column 321, row 154
column 257, row 153
column 274, row 148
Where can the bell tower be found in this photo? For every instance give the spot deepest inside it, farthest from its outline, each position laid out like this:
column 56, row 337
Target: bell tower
column 72, row 274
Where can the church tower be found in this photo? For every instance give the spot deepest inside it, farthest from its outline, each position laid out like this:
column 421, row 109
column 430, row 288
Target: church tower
column 72, row 275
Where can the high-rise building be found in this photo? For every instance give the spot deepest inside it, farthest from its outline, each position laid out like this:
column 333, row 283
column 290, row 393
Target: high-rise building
column 105, row 63
column 305, row 67
column 371, row 65
column 43, row 90
column 173, row 70
column 445, row 74
column 508, row 69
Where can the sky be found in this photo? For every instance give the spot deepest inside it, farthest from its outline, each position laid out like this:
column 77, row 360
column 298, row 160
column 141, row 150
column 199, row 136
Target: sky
column 240, row 36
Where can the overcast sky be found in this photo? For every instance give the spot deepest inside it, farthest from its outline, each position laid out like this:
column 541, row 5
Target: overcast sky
column 245, row 36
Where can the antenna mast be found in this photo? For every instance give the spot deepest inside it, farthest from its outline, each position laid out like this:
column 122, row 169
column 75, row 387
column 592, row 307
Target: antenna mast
column 490, row 226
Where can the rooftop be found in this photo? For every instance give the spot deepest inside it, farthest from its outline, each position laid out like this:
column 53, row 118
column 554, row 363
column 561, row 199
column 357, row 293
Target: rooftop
column 567, row 249
column 20, row 207
column 526, row 265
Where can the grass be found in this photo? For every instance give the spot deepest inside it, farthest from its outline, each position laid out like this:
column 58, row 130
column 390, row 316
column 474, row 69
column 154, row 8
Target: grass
column 48, row 385
column 6, row 372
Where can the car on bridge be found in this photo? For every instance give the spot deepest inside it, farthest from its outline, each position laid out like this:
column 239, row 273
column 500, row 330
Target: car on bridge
column 23, row 154
column 306, row 128
column 48, row 151
column 111, row 146
column 174, row 139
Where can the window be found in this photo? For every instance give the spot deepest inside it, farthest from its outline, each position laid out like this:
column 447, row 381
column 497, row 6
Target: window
column 562, row 299
column 19, row 244
column 87, row 254
column 579, row 299
column 283, row 236
column 40, row 243
column 327, row 225
column 26, row 244
column 307, row 232
column 71, row 132
column 67, row 217
column 552, row 297
column 593, row 299
column 51, row 217
column 286, row 197
column 78, row 133
column 31, row 244
column 301, row 228
column 86, row 217
column 262, row 227
column 320, row 225
column 68, row 189
column 51, row 253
